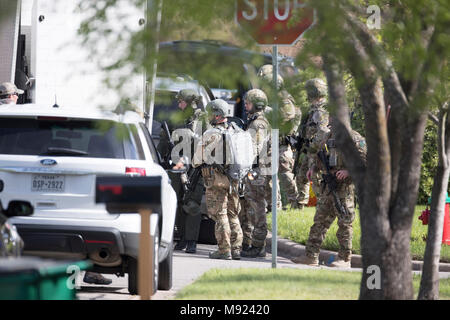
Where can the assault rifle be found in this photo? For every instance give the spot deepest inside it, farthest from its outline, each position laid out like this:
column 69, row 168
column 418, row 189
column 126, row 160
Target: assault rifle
column 166, row 157
column 299, row 141
column 190, row 182
column 330, row 180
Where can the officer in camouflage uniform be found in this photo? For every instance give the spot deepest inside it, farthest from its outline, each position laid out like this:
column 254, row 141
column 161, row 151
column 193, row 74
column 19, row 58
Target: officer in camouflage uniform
column 301, row 180
column 326, row 211
column 315, row 125
column 9, row 93
column 188, row 217
column 222, row 198
column 290, row 116
column 255, row 205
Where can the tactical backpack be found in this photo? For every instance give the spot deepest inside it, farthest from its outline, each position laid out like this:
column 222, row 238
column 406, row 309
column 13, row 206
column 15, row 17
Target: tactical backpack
column 237, row 150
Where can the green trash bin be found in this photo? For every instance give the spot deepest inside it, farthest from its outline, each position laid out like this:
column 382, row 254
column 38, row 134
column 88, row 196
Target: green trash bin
column 32, row 278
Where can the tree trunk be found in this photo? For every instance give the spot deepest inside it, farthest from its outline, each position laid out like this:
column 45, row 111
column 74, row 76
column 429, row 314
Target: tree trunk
column 396, row 267
column 429, row 284
column 389, row 183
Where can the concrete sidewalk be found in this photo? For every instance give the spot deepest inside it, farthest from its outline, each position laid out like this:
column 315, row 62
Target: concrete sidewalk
column 289, row 249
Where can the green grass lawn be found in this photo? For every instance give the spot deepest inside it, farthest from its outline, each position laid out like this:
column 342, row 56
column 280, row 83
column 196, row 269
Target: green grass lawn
column 295, row 224
column 283, row 284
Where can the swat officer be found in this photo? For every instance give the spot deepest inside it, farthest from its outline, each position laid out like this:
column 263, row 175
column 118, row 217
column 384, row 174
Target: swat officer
column 336, row 201
column 315, row 125
column 222, row 198
column 188, row 218
column 290, row 116
column 255, row 204
column 9, row 93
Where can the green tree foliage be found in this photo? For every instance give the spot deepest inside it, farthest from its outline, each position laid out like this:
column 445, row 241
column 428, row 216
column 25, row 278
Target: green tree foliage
column 429, row 163
column 395, row 70
column 180, row 20
column 400, row 65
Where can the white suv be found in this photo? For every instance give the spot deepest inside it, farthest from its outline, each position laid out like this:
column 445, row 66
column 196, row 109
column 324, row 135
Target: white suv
column 50, row 157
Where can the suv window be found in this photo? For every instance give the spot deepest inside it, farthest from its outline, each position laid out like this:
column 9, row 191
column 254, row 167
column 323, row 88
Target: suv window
column 155, row 155
column 86, row 138
column 165, row 106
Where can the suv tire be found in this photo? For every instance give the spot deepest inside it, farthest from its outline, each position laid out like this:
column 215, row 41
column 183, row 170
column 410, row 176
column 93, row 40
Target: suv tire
column 133, row 269
column 165, row 278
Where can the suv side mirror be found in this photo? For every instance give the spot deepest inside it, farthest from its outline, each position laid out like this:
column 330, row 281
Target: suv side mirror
column 19, row 209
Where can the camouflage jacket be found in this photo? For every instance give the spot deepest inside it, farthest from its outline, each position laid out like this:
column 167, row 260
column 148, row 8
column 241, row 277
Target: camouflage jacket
column 335, row 156
column 288, row 113
column 316, row 127
column 211, row 140
column 291, row 113
column 193, row 120
column 260, row 131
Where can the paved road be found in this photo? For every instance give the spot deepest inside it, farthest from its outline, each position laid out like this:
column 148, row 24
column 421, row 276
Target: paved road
column 186, row 269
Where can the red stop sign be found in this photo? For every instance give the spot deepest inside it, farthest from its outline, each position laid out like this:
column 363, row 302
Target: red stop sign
column 274, row 22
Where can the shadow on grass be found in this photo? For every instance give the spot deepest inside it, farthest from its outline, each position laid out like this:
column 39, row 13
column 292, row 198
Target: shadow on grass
column 287, row 278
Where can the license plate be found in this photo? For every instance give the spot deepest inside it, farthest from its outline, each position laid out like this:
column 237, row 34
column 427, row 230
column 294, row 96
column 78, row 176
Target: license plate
column 48, row 182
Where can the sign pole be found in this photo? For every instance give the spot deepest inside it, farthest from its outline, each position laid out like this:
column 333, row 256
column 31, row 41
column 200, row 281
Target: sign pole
column 275, row 157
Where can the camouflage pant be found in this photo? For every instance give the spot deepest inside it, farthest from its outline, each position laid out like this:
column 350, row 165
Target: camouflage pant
column 302, row 182
column 286, row 175
column 326, row 213
column 222, row 203
column 256, row 210
column 246, row 223
column 268, row 193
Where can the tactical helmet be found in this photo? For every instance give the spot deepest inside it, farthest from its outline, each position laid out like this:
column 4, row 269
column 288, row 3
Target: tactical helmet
column 316, row 88
column 7, row 88
column 266, row 74
column 265, row 69
column 217, row 107
column 258, row 98
column 188, row 95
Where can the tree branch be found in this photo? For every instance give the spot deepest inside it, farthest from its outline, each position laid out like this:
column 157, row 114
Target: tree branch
column 433, row 118
column 428, row 78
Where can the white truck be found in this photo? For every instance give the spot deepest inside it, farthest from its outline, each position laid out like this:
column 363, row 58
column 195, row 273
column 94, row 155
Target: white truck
column 43, row 54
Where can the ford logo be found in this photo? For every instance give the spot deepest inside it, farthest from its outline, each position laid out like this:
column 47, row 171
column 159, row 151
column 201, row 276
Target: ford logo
column 48, row 162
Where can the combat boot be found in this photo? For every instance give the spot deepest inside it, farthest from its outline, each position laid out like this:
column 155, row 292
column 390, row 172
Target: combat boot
column 218, row 255
column 236, row 254
column 254, row 252
column 191, row 246
column 339, row 263
column 310, row 261
column 95, row 278
column 246, row 247
column 181, row 245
